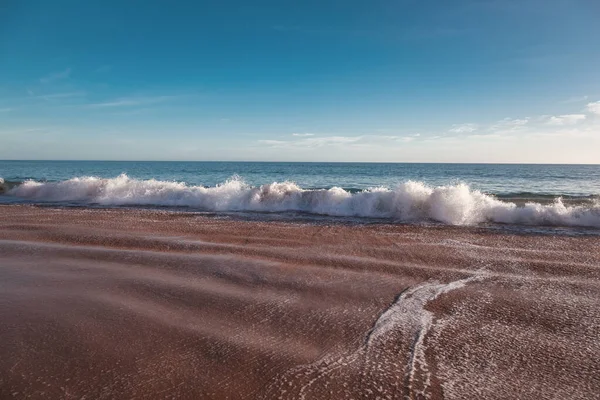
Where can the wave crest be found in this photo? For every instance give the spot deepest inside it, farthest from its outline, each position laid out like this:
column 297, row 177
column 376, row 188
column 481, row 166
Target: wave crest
column 410, row 201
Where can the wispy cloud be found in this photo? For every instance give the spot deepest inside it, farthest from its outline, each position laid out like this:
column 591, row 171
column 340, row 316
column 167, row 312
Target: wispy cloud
column 322, row 141
column 56, row 76
column 390, row 138
column 30, row 130
column 509, row 124
column 502, row 132
column 489, row 136
column 311, row 142
column 594, row 107
column 575, row 99
column 327, row 140
column 30, row 133
column 132, row 101
column 567, row 119
column 513, row 121
column 303, row 134
column 464, row 128
column 4, row 110
column 55, row 96
column 133, row 111
column 274, row 143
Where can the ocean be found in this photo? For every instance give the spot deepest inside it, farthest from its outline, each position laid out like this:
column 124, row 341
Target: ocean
column 454, row 194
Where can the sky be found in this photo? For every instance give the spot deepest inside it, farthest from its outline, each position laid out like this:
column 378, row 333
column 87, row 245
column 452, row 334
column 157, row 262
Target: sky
column 513, row 81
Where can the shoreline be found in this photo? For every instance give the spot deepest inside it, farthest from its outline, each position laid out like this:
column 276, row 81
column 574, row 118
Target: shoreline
column 117, row 302
column 304, row 218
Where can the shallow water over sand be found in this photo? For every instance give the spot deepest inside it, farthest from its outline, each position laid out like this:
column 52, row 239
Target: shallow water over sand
column 149, row 304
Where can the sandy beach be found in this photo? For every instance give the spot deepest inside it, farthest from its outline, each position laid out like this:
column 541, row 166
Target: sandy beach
column 124, row 303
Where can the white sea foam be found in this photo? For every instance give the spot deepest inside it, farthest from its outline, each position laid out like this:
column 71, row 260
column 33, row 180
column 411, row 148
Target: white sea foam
column 410, row 201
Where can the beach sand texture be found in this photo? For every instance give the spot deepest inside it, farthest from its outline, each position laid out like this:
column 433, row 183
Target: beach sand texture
column 123, row 303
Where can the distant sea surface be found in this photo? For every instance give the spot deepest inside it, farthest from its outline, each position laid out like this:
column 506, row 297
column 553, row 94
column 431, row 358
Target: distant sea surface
column 458, row 194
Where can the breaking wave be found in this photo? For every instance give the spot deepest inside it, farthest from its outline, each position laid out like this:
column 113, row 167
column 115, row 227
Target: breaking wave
column 407, row 202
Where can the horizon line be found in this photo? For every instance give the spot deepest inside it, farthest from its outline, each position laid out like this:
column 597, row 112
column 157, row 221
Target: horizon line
column 298, row 162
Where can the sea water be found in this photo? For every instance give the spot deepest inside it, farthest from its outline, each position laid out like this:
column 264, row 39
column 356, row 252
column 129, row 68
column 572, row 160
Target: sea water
column 457, row 194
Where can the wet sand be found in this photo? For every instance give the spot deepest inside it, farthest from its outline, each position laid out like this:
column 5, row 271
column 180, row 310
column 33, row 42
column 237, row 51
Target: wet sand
column 119, row 304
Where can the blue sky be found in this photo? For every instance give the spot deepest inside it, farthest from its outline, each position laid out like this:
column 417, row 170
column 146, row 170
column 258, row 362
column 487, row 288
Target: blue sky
column 447, row 81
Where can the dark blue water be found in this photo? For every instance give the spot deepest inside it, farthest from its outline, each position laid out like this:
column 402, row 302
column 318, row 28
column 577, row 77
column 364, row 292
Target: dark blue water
column 502, row 179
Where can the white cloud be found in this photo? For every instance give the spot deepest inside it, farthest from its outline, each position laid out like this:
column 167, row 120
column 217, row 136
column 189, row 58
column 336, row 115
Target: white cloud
column 567, row 119
column 463, row 128
column 57, row 76
column 594, row 107
column 303, row 134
